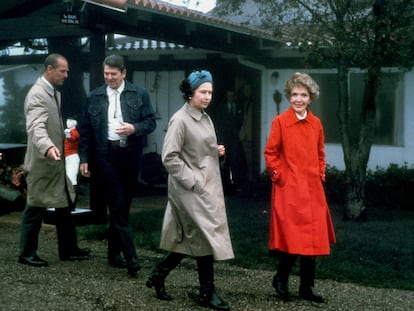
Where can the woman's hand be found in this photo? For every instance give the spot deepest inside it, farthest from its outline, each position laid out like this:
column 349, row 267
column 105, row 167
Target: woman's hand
column 275, row 176
column 221, row 150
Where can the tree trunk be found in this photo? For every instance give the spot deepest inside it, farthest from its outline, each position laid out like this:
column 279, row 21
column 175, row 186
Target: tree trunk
column 356, row 149
column 355, row 187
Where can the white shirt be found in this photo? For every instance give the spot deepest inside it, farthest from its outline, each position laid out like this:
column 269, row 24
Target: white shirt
column 48, row 83
column 114, row 111
column 302, row 117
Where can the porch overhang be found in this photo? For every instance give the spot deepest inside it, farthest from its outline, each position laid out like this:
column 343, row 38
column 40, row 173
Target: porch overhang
column 149, row 19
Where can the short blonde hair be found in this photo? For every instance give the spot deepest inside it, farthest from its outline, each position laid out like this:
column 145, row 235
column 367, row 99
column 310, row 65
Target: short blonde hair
column 303, row 80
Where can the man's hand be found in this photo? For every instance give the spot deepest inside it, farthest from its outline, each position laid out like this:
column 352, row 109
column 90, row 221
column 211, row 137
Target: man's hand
column 83, row 168
column 53, row 153
column 125, row 129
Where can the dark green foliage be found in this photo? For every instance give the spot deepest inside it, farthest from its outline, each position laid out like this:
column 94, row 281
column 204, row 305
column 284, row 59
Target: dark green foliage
column 390, row 188
column 387, row 188
column 335, row 185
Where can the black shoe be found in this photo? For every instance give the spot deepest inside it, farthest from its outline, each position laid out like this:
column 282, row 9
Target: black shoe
column 82, row 252
column 309, row 293
column 209, row 299
column 215, row 303
column 78, row 254
column 34, row 261
column 159, row 287
column 133, row 267
column 281, row 288
column 118, row 261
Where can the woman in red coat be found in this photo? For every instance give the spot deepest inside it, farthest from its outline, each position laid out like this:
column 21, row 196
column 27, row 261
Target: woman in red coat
column 300, row 221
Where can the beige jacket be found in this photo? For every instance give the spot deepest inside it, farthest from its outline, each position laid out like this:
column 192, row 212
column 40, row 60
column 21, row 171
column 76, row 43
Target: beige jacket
column 195, row 221
column 46, row 179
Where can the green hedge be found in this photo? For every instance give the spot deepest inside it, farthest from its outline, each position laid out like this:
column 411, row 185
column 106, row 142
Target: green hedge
column 385, row 188
column 391, row 187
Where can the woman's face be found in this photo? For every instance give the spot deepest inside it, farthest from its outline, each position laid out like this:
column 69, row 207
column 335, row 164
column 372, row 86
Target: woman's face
column 299, row 99
column 202, row 96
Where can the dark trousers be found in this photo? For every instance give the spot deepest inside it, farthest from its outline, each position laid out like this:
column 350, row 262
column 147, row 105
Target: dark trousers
column 119, row 173
column 32, row 222
column 307, row 268
column 205, row 269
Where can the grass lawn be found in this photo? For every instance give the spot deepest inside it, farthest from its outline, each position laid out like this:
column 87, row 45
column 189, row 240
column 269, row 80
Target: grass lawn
column 379, row 252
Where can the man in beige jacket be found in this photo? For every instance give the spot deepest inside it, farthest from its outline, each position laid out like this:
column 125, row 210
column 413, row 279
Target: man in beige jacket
column 47, row 183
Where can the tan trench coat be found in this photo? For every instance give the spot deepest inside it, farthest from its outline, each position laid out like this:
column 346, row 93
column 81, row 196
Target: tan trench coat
column 195, row 221
column 46, row 179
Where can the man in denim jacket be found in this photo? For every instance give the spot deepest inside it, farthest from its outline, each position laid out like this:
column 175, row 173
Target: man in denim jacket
column 118, row 116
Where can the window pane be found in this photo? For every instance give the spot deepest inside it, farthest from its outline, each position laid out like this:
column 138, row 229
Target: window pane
column 385, row 130
column 326, row 107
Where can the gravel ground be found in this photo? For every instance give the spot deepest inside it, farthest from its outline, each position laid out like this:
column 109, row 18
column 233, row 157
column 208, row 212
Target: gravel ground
column 93, row 285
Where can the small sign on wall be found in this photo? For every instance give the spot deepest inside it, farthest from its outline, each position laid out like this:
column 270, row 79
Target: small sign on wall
column 70, row 18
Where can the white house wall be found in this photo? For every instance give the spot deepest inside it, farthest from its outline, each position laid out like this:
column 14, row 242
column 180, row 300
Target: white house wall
column 380, row 156
column 166, row 98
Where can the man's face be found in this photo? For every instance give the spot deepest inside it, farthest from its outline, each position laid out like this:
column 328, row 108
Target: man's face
column 57, row 75
column 113, row 76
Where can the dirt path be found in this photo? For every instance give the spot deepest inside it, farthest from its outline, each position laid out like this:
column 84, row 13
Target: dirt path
column 93, row 285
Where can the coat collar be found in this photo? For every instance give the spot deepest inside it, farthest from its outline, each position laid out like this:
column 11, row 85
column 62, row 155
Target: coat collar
column 102, row 89
column 45, row 86
column 195, row 113
column 292, row 119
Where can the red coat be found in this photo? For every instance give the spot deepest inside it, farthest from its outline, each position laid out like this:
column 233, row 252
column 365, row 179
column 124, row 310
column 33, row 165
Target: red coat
column 300, row 221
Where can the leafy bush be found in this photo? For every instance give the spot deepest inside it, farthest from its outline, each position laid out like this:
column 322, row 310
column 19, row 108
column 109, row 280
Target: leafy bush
column 386, row 188
column 335, row 185
column 391, row 187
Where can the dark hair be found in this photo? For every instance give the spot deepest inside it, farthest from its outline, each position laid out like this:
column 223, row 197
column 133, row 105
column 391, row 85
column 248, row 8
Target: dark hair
column 185, row 87
column 115, row 61
column 52, row 60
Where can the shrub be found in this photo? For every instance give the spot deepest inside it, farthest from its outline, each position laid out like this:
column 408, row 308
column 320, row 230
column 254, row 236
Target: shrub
column 391, row 187
column 386, row 188
column 335, row 185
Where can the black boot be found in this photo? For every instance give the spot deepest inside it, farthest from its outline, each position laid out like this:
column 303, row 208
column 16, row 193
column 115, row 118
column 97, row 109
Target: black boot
column 132, row 266
column 160, row 272
column 280, row 280
column 208, row 296
column 307, row 280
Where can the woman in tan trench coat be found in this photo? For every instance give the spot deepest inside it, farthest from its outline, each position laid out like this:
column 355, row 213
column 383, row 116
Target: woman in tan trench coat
column 195, row 221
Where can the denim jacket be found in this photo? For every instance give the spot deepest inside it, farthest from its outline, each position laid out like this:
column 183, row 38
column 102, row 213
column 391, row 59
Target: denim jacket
column 93, row 128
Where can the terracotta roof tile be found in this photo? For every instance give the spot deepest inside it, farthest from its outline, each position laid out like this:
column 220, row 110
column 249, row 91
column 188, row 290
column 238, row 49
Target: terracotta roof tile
column 178, row 11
